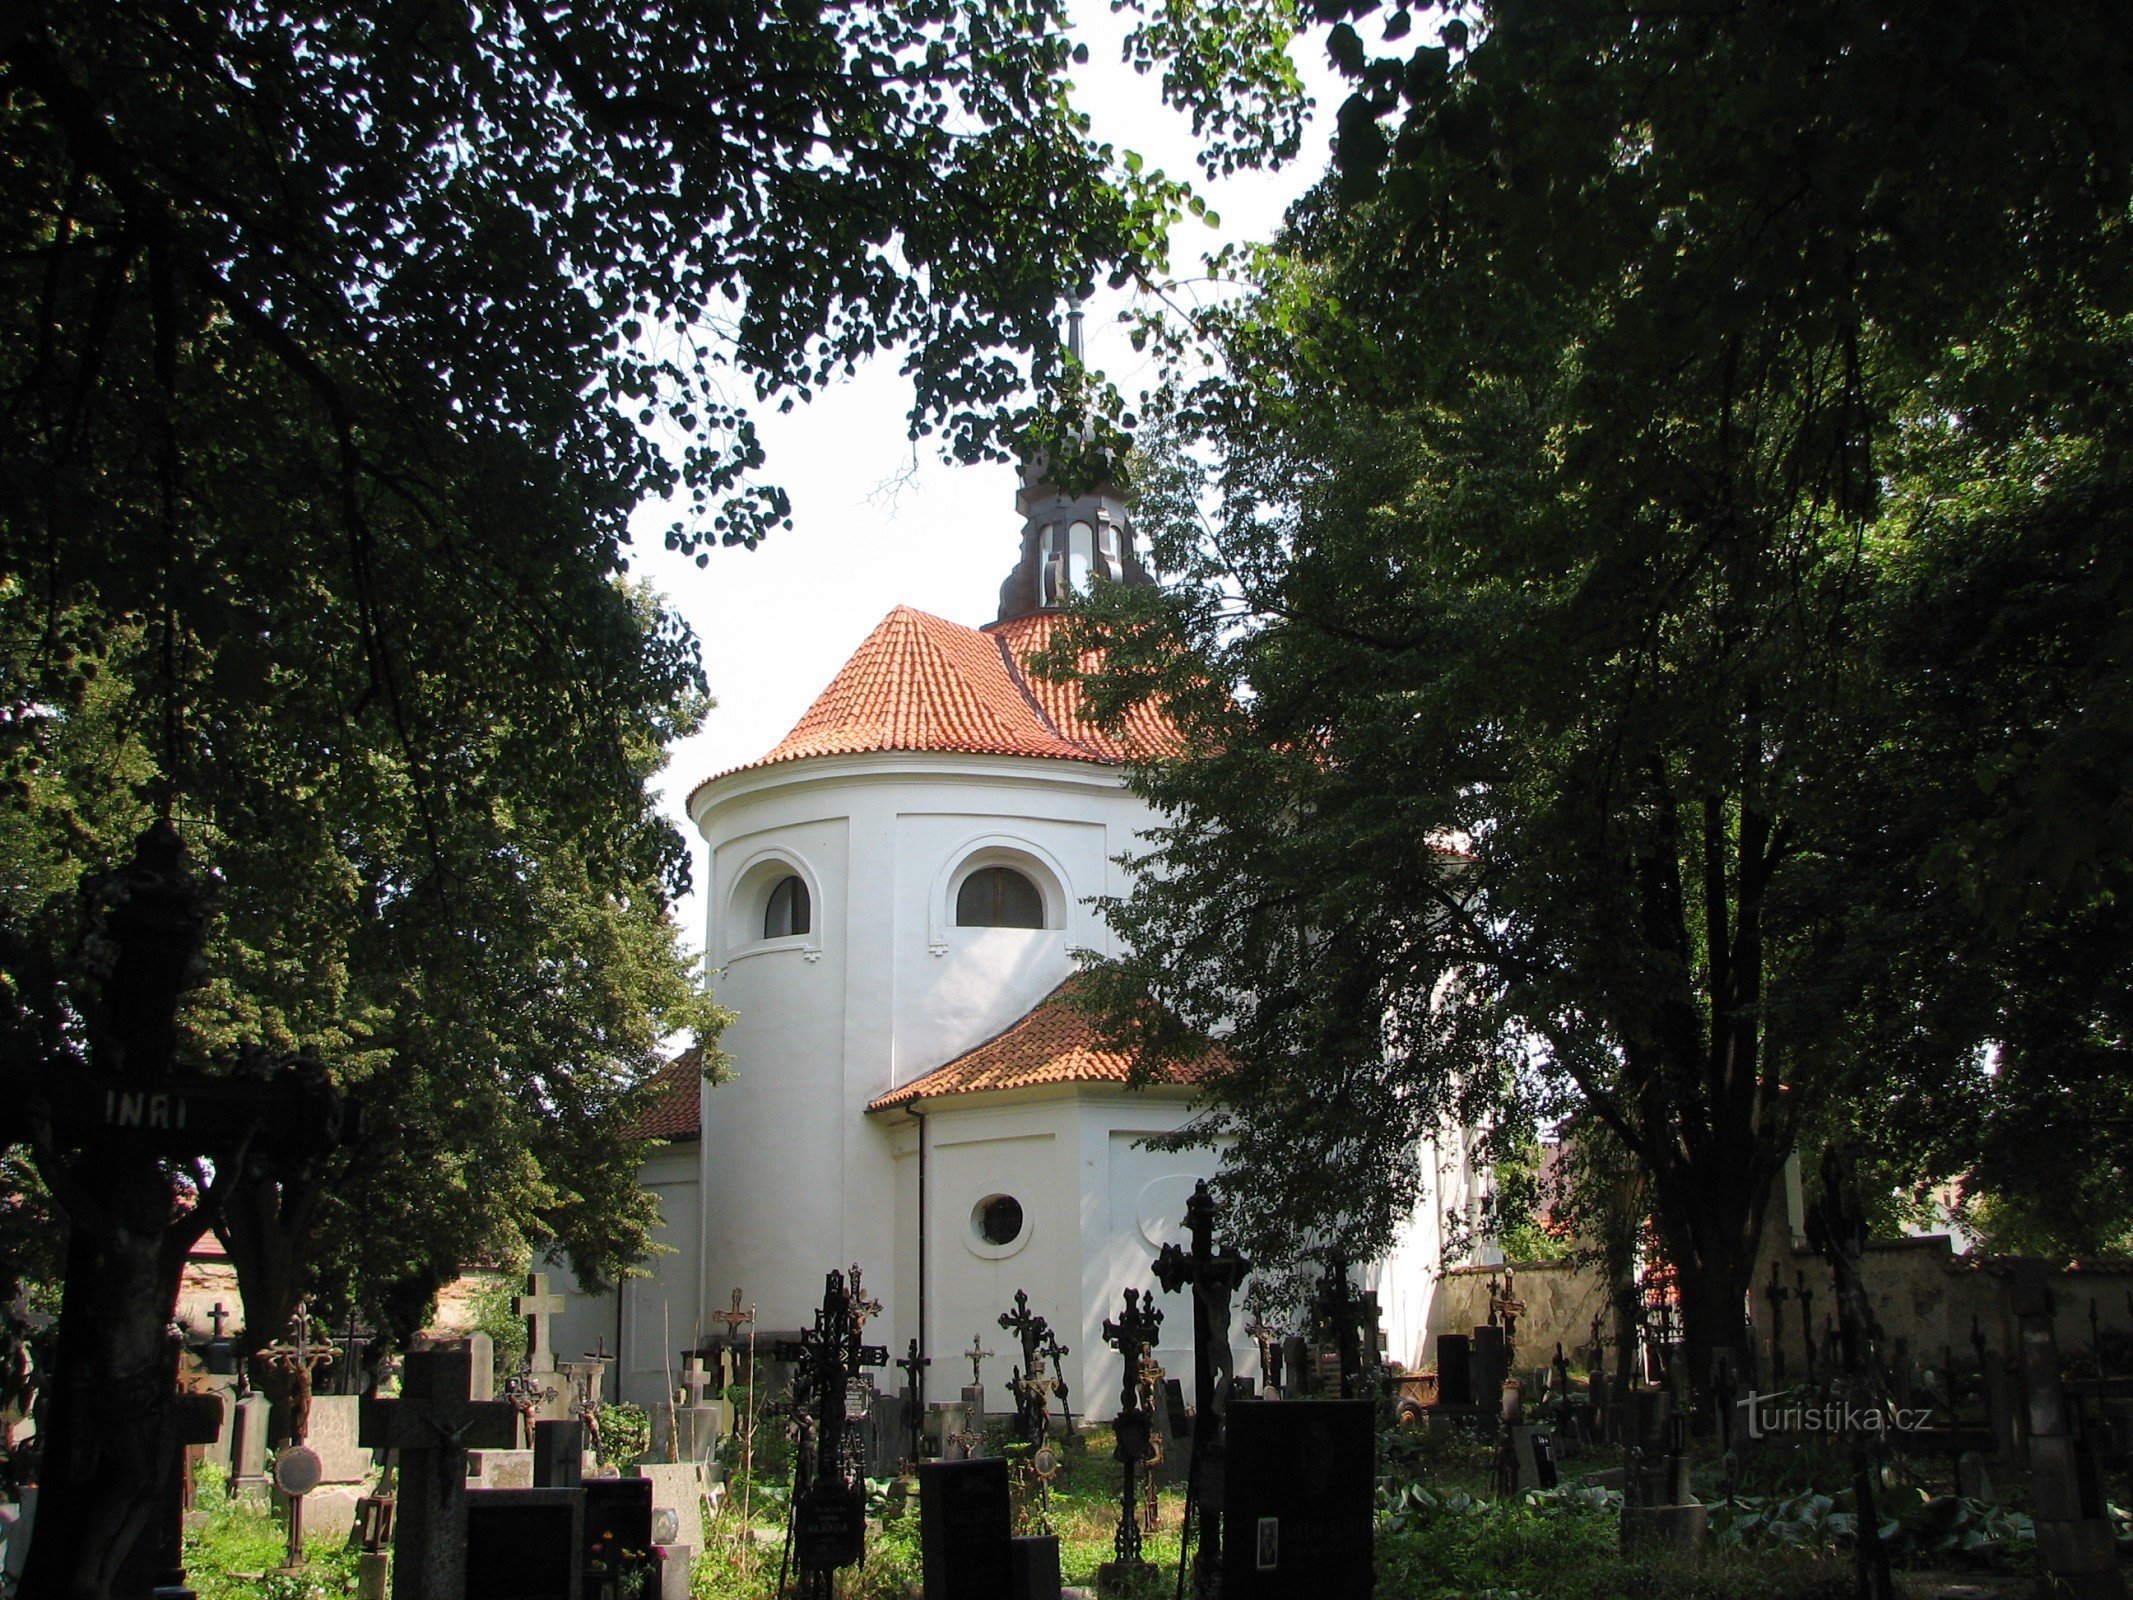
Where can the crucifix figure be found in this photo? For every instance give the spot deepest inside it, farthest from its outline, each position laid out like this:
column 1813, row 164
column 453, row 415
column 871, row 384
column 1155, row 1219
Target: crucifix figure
column 526, row 1394
column 975, row 1356
column 1132, row 1334
column 300, row 1357
column 1213, row 1276
column 865, row 1308
column 914, row 1368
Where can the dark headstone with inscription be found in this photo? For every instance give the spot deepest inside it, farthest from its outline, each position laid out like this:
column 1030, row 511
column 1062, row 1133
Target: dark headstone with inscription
column 830, row 1525
column 965, row 1529
column 525, row 1544
column 1298, row 1512
column 1455, row 1374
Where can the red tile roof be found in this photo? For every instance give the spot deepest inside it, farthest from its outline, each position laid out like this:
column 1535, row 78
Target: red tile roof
column 1055, row 1043
column 922, row 683
column 676, row 1112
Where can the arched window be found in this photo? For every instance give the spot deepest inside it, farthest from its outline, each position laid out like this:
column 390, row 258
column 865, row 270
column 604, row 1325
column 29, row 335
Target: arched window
column 998, row 897
column 786, row 913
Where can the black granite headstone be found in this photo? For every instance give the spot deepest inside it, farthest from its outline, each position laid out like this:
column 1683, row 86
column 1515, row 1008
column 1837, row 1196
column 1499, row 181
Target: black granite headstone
column 618, row 1523
column 1490, row 1364
column 1455, row 1376
column 1297, row 1517
column 525, row 1544
column 1034, row 1559
column 1296, row 1366
column 965, row 1529
column 558, row 1454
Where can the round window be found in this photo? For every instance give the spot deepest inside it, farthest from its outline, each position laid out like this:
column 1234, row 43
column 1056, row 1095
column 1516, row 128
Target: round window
column 998, row 1219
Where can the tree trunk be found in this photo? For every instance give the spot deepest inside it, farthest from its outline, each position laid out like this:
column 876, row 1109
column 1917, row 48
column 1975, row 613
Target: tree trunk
column 113, row 1441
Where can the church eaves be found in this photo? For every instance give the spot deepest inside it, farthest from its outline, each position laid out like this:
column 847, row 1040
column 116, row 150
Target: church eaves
column 1055, row 1043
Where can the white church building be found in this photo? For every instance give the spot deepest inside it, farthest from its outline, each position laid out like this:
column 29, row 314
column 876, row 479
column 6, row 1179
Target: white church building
column 896, row 893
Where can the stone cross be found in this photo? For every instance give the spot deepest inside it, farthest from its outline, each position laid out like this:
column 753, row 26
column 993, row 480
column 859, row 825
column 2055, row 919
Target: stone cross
column 1132, row 1334
column 1213, row 1276
column 695, row 1379
column 218, row 1315
column 537, row 1305
column 431, row 1426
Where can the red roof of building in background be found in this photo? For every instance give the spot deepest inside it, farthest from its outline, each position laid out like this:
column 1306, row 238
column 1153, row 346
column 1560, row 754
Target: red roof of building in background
column 922, row 683
column 676, row 1114
column 1055, row 1043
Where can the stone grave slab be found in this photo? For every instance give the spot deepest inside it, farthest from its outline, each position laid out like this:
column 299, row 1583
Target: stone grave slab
column 678, row 1486
column 333, row 1432
column 499, row 1469
column 671, row 1564
column 525, row 1544
column 965, row 1529
column 248, row 1448
column 1298, row 1501
column 1533, row 1450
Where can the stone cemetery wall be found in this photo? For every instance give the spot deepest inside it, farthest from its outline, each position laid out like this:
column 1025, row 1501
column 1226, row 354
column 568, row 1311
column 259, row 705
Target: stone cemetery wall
column 1923, row 1294
column 1560, row 1300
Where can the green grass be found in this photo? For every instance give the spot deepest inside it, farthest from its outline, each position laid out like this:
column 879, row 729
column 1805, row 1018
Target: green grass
column 235, row 1556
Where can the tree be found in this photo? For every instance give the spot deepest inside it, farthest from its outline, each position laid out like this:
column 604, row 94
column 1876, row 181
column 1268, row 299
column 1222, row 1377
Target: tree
column 1570, row 473
column 339, row 347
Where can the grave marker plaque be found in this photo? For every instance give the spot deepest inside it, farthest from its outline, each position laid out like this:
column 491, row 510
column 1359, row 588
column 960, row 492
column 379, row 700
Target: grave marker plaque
column 1300, row 1500
column 525, row 1544
column 1455, row 1373
column 965, row 1529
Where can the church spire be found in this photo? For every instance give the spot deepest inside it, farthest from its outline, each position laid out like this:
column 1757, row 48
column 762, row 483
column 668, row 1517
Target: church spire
column 1068, row 541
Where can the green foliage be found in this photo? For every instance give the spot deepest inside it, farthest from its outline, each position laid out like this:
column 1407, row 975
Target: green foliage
column 1576, row 720
column 1916, row 1528
column 625, row 1433
column 491, row 1305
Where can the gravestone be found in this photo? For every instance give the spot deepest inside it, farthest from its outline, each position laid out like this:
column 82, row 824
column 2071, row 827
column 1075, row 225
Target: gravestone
column 1033, row 1562
column 432, row 1425
column 2075, row 1545
column 618, row 1526
column 248, row 1448
column 525, row 1544
column 558, row 1454
column 1296, row 1363
column 1298, row 1510
column 965, row 1529
column 678, row 1487
column 157, row 1559
column 1489, row 1362
column 1533, row 1454
column 1455, row 1370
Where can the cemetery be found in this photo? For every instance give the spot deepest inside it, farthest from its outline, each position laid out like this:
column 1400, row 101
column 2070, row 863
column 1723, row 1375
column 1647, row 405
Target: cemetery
column 1398, row 867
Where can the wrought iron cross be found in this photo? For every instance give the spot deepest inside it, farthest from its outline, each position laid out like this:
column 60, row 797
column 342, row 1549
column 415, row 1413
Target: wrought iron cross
column 300, row 1358
column 1132, row 1334
column 736, row 1319
column 914, row 1368
column 975, row 1356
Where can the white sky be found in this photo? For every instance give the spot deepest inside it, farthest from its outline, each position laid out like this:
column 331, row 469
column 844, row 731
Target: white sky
column 879, row 521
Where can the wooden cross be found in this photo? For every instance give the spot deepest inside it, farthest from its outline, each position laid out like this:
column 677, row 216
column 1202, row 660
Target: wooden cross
column 432, row 1425
column 537, row 1305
